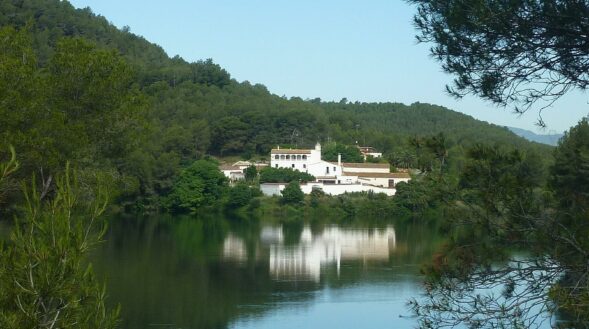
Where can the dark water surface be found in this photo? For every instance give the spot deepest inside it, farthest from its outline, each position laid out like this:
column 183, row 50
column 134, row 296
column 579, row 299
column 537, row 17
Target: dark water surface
column 171, row 272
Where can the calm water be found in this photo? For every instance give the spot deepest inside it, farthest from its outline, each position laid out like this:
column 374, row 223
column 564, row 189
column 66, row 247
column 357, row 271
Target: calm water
column 189, row 273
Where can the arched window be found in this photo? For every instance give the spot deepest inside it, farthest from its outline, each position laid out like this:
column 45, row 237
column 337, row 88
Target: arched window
column 276, row 157
column 298, row 157
column 287, row 157
column 282, row 157
column 304, row 157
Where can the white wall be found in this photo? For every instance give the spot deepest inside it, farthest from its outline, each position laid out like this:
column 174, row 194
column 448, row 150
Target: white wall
column 312, row 164
column 375, row 181
column 319, row 168
column 270, row 189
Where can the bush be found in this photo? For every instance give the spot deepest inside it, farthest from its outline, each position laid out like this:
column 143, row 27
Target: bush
column 250, row 173
column 283, row 175
column 200, row 184
column 239, row 196
column 292, row 194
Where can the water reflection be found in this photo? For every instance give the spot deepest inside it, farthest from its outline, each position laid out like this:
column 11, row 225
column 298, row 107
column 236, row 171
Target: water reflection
column 217, row 273
column 304, row 260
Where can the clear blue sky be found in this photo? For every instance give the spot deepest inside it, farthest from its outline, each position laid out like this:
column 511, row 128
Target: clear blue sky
column 361, row 50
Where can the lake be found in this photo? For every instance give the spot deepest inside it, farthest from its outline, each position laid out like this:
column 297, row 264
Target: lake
column 181, row 272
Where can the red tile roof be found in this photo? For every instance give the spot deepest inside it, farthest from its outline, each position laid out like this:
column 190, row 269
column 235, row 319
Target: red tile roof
column 290, row 151
column 377, row 174
column 364, row 165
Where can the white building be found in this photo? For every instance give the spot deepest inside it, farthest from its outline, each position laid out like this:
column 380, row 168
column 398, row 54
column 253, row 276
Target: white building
column 308, row 161
column 355, row 177
column 235, row 171
column 369, row 151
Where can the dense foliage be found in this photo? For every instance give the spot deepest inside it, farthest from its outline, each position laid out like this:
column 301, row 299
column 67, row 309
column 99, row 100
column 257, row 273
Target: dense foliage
column 75, row 88
column 240, row 195
column 283, row 175
column 512, row 52
column 143, row 117
column 502, row 200
column 348, row 153
column 45, row 280
column 198, row 185
column 292, row 193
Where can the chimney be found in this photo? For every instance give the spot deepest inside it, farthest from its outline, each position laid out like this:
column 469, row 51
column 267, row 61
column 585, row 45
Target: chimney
column 339, row 159
column 278, row 147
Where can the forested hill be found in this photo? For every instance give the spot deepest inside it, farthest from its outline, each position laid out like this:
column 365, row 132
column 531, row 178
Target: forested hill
column 108, row 99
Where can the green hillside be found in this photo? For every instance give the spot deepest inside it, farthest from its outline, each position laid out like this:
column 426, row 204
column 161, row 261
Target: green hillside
column 141, row 116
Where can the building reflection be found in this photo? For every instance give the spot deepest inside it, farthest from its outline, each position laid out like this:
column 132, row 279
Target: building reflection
column 314, row 251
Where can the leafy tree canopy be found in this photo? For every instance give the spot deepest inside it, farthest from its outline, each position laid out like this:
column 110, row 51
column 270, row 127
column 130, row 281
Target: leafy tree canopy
column 283, row 175
column 509, row 52
column 292, row 193
column 200, row 184
column 349, row 153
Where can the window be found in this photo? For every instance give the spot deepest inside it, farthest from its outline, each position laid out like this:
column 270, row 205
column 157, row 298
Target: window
column 276, row 165
column 282, row 157
column 298, row 157
column 293, row 165
column 304, row 166
column 327, row 170
column 287, row 157
column 276, row 157
column 334, row 169
column 304, row 157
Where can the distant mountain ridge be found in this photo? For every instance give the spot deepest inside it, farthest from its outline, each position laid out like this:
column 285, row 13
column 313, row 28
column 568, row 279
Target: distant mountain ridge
column 548, row 139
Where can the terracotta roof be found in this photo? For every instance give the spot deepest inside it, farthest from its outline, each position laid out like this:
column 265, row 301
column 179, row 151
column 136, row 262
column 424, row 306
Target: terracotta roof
column 229, row 167
column 377, row 174
column 365, row 165
column 242, row 163
column 290, row 151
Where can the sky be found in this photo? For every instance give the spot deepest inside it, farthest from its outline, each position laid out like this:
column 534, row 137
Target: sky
column 332, row 49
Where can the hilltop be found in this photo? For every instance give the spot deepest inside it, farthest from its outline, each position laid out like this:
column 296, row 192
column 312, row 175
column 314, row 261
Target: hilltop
column 548, row 139
column 188, row 110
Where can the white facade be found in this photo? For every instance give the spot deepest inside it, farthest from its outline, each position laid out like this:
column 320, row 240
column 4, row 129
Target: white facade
column 369, row 151
column 236, row 171
column 270, row 189
column 384, row 180
column 233, row 173
column 308, row 161
column 335, row 178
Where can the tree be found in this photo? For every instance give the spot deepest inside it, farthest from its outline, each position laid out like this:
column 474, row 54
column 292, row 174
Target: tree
column 91, row 93
column 509, row 52
column 7, row 168
column 283, row 175
column 349, row 153
column 476, row 280
column 45, row 278
column 200, row 184
column 569, row 181
column 437, row 145
column 292, row 193
column 209, row 73
column 250, row 173
column 239, row 196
